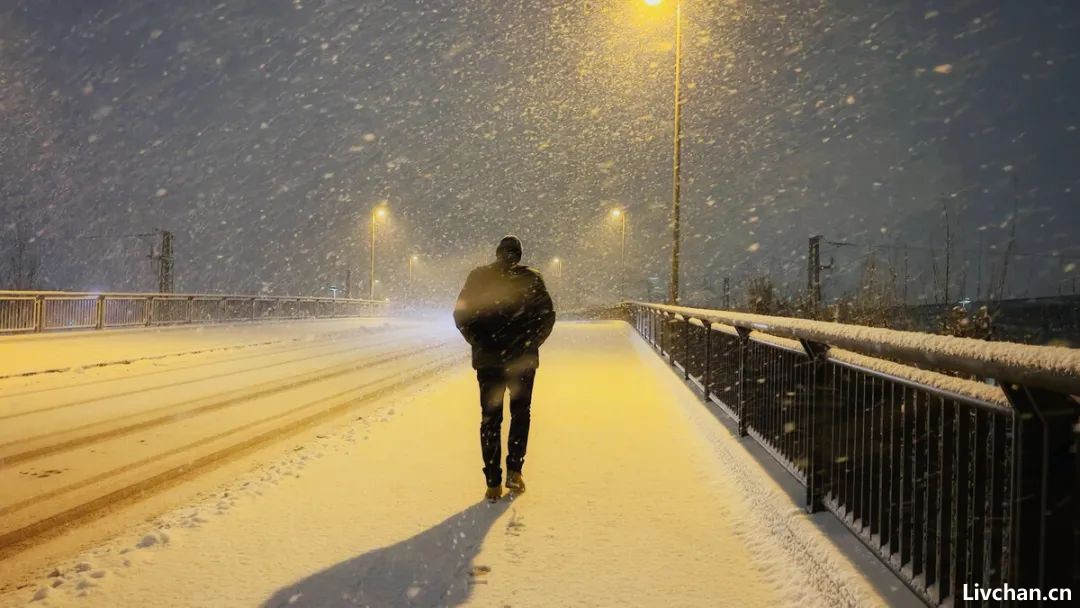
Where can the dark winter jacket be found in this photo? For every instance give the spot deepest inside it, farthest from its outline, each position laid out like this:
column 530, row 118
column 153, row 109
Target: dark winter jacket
column 505, row 313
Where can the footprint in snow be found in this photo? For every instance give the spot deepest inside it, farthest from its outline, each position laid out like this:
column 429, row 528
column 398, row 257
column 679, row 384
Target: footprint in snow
column 476, row 571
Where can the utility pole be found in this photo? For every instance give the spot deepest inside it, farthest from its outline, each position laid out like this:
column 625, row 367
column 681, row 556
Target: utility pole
column 813, row 271
column 978, row 271
column 164, row 260
column 907, row 277
column 673, row 291
column 948, row 249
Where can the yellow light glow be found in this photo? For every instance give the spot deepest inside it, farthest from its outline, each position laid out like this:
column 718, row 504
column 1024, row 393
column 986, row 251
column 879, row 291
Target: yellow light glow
column 616, row 212
column 415, row 258
column 380, row 213
column 555, row 261
column 653, row 2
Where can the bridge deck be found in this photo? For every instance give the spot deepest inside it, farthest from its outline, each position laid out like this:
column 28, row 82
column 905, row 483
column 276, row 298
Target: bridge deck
column 637, row 496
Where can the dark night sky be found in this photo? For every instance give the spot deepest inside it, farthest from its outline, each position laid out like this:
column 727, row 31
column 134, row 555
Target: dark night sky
column 262, row 132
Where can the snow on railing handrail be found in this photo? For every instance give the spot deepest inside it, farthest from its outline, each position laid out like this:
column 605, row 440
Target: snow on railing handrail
column 215, row 296
column 1050, row 367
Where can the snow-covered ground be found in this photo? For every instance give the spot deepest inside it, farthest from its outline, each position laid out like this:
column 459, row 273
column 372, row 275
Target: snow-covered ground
column 66, row 351
column 637, row 496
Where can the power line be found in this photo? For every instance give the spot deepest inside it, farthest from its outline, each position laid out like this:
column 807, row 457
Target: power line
column 1055, row 256
column 118, row 236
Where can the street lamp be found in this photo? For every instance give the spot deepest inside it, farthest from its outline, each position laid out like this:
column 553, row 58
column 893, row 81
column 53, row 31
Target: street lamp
column 378, row 213
column 557, row 263
column 619, row 215
column 673, row 289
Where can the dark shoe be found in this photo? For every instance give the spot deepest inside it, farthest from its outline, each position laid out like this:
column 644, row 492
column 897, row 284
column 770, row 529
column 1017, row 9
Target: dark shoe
column 514, row 482
column 493, row 493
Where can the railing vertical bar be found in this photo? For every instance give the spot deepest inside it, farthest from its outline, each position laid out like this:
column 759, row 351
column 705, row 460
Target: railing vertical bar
column 845, row 442
column 863, row 427
column 873, row 442
column 947, row 460
column 706, row 376
column 884, row 524
column 990, row 559
column 919, row 482
column 792, row 391
column 1008, row 437
column 931, row 509
column 770, row 373
column 906, row 462
column 836, row 400
column 977, row 503
column 961, row 491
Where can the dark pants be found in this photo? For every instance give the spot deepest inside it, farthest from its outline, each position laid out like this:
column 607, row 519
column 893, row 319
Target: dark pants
column 494, row 383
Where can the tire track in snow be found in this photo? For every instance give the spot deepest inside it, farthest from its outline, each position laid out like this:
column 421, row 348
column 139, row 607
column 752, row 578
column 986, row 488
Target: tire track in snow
column 286, row 343
column 282, row 425
column 197, row 380
column 176, row 410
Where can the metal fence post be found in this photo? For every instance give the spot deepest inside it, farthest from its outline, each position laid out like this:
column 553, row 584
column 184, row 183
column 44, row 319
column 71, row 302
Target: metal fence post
column 740, row 397
column 149, row 311
column 658, row 332
column 99, row 313
column 1045, row 504
column 190, row 310
column 817, row 463
column 686, row 349
column 39, row 314
column 706, row 374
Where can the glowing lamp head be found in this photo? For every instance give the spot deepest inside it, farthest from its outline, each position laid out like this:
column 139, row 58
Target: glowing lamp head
column 380, row 213
column 555, row 260
column 415, row 258
column 616, row 213
column 653, row 2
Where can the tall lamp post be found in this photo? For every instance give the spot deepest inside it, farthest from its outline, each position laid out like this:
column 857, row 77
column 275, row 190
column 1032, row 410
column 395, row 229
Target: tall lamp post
column 557, row 263
column 412, row 263
column 673, row 287
column 378, row 213
column 620, row 216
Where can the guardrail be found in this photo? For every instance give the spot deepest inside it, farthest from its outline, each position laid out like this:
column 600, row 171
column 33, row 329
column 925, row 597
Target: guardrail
column 955, row 460
column 42, row 311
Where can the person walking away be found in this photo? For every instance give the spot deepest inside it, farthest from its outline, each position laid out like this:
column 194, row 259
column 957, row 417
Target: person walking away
column 505, row 313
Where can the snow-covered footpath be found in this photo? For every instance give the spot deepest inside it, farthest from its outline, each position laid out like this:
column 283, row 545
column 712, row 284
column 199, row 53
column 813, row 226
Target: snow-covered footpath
column 637, row 497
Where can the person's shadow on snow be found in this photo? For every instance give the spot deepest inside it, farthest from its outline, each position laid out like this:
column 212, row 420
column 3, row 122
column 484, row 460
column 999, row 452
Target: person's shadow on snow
column 429, row 569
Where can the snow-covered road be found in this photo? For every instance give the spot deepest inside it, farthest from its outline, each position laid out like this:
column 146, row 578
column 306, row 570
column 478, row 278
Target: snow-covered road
column 337, row 463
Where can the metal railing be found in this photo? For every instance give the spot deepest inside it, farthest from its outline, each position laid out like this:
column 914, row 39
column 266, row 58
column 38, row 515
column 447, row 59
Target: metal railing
column 31, row 311
column 955, row 460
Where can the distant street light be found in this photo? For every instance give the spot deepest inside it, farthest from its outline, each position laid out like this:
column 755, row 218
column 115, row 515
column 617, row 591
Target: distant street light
column 378, row 213
column 673, row 288
column 413, row 259
column 558, row 264
column 620, row 216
